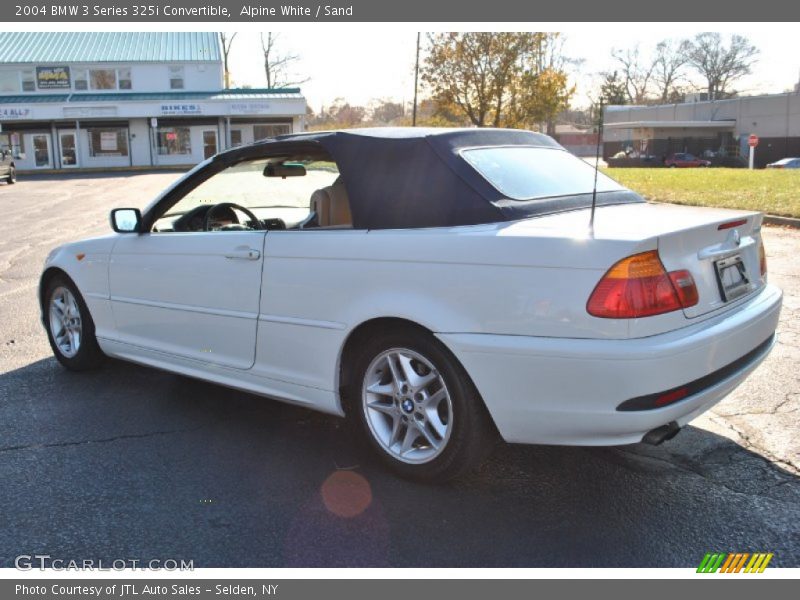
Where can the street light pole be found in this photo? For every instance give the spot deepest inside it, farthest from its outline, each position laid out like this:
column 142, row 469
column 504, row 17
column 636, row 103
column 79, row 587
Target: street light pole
column 416, row 79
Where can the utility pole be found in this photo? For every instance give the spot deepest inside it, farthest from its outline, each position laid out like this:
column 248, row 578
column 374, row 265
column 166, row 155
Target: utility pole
column 416, row 79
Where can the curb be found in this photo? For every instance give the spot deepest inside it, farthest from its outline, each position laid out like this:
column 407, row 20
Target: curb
column 784, row 221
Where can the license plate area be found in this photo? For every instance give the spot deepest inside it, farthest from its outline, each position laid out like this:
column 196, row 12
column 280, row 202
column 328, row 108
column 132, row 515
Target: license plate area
column 732, row 277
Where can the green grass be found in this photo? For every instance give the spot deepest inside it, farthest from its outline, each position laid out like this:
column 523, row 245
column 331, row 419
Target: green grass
column 770, row 191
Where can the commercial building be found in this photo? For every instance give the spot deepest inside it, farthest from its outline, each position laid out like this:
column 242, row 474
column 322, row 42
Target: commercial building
column 718, row 129
column 579, row 141
column 127, row 99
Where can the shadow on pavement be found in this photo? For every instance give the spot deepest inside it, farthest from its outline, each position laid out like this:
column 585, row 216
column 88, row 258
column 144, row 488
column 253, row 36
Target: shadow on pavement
column 129, row 462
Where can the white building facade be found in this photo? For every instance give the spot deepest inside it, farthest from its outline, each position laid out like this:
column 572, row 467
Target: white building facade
column 126, row 99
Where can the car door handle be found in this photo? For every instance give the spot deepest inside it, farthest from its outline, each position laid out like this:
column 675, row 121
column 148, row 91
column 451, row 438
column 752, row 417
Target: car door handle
column 243, row 254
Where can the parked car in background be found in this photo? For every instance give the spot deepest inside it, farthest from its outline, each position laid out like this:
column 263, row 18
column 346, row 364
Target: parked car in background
column 685, row 160
column 8, row 169
column 785, row 163
column 435, row 287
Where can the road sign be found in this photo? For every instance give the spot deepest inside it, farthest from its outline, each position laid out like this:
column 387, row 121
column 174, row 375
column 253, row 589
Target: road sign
column 752, row 141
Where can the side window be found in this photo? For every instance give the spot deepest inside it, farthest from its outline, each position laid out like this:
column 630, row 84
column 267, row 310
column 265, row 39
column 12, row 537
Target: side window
column 278, row 193
column 81, row 80
column 125, row 81
column 176, row 77
column 28, row 81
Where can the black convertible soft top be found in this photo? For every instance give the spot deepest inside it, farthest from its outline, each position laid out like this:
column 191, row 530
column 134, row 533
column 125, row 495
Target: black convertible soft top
column 416, row 177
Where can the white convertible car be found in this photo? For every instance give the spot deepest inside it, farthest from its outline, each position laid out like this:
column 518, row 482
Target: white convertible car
column 436, row 287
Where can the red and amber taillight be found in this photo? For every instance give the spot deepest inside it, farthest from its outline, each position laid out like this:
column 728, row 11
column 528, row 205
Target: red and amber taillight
column 762, row 258
column 640, row 286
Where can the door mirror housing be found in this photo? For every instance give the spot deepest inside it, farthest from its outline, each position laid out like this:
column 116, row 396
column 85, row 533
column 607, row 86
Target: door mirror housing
column 126, row 220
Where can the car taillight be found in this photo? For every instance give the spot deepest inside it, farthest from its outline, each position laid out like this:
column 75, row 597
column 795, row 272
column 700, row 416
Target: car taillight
column 762, row 258
column 640, row 286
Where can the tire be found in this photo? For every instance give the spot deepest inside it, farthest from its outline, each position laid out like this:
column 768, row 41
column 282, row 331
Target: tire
column 70, row 329
column 12, row 176
column 406, row 385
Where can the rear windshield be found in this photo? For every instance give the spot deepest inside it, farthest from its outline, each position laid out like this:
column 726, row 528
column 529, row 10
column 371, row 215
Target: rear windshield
column 527, row 173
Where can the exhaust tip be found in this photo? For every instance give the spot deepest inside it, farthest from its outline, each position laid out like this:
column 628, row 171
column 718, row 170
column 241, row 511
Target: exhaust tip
column 661, row 434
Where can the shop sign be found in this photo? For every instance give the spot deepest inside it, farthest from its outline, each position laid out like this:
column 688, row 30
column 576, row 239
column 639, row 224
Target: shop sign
column 7, row 114
column 250, row 108
column 52, row 78
column 180, row 109
column 90, row 111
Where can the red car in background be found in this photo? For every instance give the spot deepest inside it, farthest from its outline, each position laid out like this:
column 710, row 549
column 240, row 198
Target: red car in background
column 684, row 159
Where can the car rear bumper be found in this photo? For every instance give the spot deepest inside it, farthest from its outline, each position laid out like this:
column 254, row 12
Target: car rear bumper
column 567, row 391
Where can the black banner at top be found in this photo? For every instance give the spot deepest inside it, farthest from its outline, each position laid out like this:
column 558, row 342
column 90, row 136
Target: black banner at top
column 451, row 11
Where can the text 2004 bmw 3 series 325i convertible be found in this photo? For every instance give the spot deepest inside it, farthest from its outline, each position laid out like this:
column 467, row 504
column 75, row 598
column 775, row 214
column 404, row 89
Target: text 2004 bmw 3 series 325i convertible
column 435, row 287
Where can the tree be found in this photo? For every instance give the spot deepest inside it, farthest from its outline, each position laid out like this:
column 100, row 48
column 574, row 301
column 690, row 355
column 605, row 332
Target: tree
column 226, row 41
column 669, row 64
column 721, row 65
column 277, row 66
column 637, row 73
column 540, row 98
column 386, row 111
column 338, row 115
column 495, row 79
column 612, row 91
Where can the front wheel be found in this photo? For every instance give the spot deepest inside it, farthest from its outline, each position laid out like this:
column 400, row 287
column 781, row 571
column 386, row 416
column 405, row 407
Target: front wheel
column 417, row 407
column 70, row 329
column 12, row 176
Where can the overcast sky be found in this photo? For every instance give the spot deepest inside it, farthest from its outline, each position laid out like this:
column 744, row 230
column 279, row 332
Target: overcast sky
column 368, row 62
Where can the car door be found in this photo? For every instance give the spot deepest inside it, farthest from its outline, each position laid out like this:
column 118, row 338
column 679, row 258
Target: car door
column 5, row 162
column 191, row 295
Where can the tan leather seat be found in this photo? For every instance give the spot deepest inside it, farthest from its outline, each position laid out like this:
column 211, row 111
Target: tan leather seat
column 332, row 206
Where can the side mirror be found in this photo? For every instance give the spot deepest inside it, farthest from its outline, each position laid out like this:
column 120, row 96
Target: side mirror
column 126, row 220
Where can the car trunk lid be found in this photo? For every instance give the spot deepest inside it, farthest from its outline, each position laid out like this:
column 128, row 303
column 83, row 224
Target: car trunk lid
column 719, row 247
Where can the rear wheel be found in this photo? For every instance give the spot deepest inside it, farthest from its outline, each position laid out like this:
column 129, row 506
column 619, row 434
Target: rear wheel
column 12, row 175
column 417, row 408
column 70, row 329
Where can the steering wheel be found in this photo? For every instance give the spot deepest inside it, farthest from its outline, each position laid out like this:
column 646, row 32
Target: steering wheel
column 256, row 224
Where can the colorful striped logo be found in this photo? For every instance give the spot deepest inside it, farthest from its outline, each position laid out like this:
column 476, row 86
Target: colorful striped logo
column 714, row 562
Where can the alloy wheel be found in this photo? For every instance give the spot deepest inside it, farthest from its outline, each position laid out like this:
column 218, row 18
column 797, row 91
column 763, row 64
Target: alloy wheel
column 65, row 322
column 407, row 406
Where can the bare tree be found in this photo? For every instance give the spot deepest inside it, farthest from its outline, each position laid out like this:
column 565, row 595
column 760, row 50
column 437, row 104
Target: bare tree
column 277, row 66
column 227, row 41
column 636, row 72
column 721, row 65
column 669, row 66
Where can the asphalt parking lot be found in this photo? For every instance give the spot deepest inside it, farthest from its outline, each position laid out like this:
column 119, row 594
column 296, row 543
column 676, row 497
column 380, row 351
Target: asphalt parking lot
column 132, row 463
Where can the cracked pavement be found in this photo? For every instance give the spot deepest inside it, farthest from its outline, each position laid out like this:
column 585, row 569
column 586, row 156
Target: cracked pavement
column 129, row 462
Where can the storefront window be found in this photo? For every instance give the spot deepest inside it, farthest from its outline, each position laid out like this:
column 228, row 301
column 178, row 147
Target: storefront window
column 103, row 79
column 236, row 137
column 81, row 80
column 12, row 141
column 108, row 142
column 261, row 132
column 174, row 140
column 176, row 78
column 28, row 81
column 125, row 82
column 9, row 81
